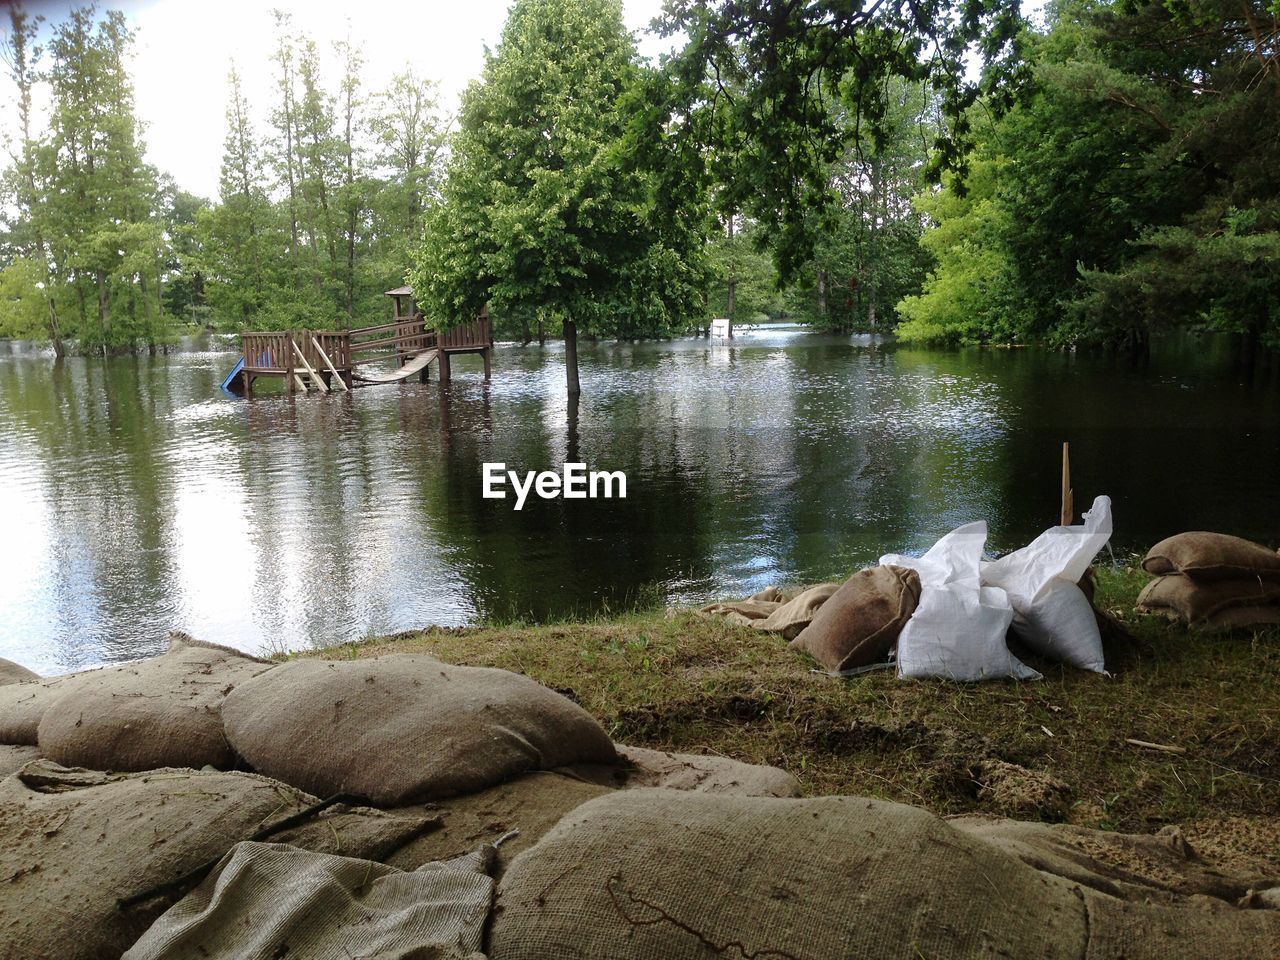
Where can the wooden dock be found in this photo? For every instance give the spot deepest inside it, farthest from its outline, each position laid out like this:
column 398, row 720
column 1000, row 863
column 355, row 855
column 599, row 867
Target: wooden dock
column 326, row 360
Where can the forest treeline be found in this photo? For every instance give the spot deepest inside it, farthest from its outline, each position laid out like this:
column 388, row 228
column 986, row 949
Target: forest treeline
column 943, row 169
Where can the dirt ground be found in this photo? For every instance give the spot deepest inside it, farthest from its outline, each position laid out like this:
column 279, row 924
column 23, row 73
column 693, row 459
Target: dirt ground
column 1056, row 749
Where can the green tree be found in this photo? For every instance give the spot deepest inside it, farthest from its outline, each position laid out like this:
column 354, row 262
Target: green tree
column 867, row 254
column 761, row 81
column 26, row 238
column 99, row 197
column 744, row 285
column 543, row 213
column 1132, row 189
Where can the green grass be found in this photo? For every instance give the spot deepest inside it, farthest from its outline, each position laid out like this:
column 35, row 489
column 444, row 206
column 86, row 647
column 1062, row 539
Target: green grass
column 695, row 684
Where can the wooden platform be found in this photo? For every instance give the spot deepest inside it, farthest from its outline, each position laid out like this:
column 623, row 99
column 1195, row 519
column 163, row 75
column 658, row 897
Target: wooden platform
column 328, row 360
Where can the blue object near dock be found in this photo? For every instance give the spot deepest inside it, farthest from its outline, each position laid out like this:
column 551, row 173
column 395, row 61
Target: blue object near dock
column 230, row 383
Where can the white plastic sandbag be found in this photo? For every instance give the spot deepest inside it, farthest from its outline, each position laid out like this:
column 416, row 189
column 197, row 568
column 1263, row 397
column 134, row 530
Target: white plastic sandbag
column 1052, row 616
column 959, row 626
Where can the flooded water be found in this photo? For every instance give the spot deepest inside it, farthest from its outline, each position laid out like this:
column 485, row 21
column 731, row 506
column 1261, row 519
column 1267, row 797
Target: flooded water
column 137, row 497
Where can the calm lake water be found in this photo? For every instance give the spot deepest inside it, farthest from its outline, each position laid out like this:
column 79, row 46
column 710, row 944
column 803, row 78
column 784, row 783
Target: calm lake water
column 137, row 497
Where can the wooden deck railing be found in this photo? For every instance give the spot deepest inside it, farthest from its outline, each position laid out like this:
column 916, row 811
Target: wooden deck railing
column 476, row 334
column 267, row 352
column 390, row 340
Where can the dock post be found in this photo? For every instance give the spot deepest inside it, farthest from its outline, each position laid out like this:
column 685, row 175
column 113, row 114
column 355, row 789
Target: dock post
column 444, row 369
column 488, row 363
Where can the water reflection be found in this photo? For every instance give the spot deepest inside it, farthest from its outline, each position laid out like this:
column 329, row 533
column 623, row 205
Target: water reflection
column 137, row 498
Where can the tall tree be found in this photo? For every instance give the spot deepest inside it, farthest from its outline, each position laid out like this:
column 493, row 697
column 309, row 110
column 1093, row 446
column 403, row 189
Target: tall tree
column 22, row 54
column 542, row 212
column 100, row 195
column 283, row 117
column 352, row 62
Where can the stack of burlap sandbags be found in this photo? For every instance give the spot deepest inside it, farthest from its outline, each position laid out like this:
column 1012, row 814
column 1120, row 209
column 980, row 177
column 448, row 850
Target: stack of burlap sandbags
column 463, row 755
column 1212, row 581
column 661, row 875
column 159, row 712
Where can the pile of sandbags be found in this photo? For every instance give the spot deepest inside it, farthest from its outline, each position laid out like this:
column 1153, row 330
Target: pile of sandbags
column 159, row 712
column 1212, row 581
column 947, row 613
column 655, row 873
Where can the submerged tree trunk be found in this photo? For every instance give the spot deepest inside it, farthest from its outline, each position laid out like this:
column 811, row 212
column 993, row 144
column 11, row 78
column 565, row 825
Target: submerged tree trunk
column 571, row 358
column 101, row 279
column 731, row 290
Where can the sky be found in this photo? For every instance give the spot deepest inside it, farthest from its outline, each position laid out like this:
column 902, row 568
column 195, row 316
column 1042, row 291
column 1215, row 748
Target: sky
column 184, row 48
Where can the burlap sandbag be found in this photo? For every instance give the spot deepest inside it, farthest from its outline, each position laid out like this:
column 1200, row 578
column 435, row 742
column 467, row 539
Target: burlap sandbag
column 1212, row 556
column 861, row 621
column 11, row 672
column 746, row 613
column 665, row 875
column 642, row 767
column 794, row 615
column 265, row 901
column 1128, row 866
column 22, row 705
column 76, row 841
column 13, row 757
column 160, row 712
column 517, row 813
column 1196, row 601
column 1242, row 618
column 405, row 728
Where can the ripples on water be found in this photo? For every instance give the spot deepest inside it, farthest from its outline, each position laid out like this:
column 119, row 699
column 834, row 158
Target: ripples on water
column 138, row 498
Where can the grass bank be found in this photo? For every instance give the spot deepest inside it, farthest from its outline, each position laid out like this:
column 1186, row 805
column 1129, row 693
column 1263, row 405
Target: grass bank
column 1054, row 749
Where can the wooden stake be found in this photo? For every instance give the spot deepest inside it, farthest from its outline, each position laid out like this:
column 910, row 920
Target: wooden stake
column 315, row 377
column 1068, row 504
column 329, row 363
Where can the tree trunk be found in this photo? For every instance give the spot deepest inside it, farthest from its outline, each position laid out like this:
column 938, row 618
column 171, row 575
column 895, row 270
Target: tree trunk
column 542, row 335
column 732, row 286
column 525, row 335
column 101, row 278
column 871, row 304
column 55, row 327
column 822, row 295
column 571, row 358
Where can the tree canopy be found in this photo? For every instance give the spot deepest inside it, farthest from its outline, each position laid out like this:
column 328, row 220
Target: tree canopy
column 543, row 214
column 937, row 167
